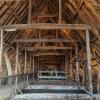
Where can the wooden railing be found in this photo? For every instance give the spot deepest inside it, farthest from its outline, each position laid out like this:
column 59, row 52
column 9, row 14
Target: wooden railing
column 52, row 75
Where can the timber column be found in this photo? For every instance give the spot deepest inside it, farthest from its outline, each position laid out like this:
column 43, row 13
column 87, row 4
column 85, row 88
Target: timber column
column 89, row 60
column 1, row 51
column 77, row 63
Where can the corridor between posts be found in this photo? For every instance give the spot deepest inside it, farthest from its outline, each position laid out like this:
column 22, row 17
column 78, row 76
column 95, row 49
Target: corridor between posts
column 49, row 50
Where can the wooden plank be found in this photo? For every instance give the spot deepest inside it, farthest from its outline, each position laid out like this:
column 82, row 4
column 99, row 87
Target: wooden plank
column 47, row 48
column 44, row 40
column 89, row 60
column 48, row 26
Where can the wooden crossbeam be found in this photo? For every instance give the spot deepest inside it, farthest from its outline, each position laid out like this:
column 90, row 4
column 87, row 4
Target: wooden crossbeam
column 12, row 0
column 48, row 26
column 48, row 54
column 45, row 40
column 47, row 48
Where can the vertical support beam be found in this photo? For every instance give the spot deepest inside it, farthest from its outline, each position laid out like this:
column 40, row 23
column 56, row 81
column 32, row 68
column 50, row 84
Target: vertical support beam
column 1, row 50
column 30, row 70
column 30, row 11
column 98, row 81
column 89, row 60
column 38, row 67
column 26, row 69
column 16, row 67
column 8, row 64
column 77, row 63
column 25, row 61
column 83, row 79
column 66, row 64
column 71, row 72
column 60, row 10
column 33, row 67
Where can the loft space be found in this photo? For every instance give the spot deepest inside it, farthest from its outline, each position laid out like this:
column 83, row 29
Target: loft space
column 50, row 40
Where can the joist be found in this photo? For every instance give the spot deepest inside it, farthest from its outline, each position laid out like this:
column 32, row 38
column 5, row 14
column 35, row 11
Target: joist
column 47, row 26
column 44, row 40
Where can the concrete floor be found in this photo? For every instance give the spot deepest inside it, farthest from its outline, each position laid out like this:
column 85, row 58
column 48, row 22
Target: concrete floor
column 7, row 91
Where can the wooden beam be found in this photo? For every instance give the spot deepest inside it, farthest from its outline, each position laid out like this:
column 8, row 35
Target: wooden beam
column 98, row 81
column 66, row 63
column 89, row 60
column 12, row 0
column 33, row 66
column 25, row 63
column 77, row 63
column 44, row 40
column 1, row 50
column 60, row 10
column 26, row 68
column 47, row 48
column 48, row 54
column 48, row 26
column 16, row 67
column 71, row 71
column 30, row 69
column 30, row 11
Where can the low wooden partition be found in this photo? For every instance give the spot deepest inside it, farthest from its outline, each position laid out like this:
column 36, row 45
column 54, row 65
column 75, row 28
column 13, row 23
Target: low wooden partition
column 52, row 75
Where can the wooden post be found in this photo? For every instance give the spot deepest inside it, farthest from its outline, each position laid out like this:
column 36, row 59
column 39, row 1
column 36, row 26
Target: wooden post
column 77, row 63
column 25, row 71
column 30, row 70
column 60, row 10
column 71, row 72
column 98, row 81
column 89, row 60
column 30, row 11
column 1, row 50
column 33, row 67
column 83, row 79
column 66, row 64
column 16, row 67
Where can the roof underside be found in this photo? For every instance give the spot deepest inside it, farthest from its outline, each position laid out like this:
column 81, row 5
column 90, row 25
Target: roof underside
column 47, row 11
